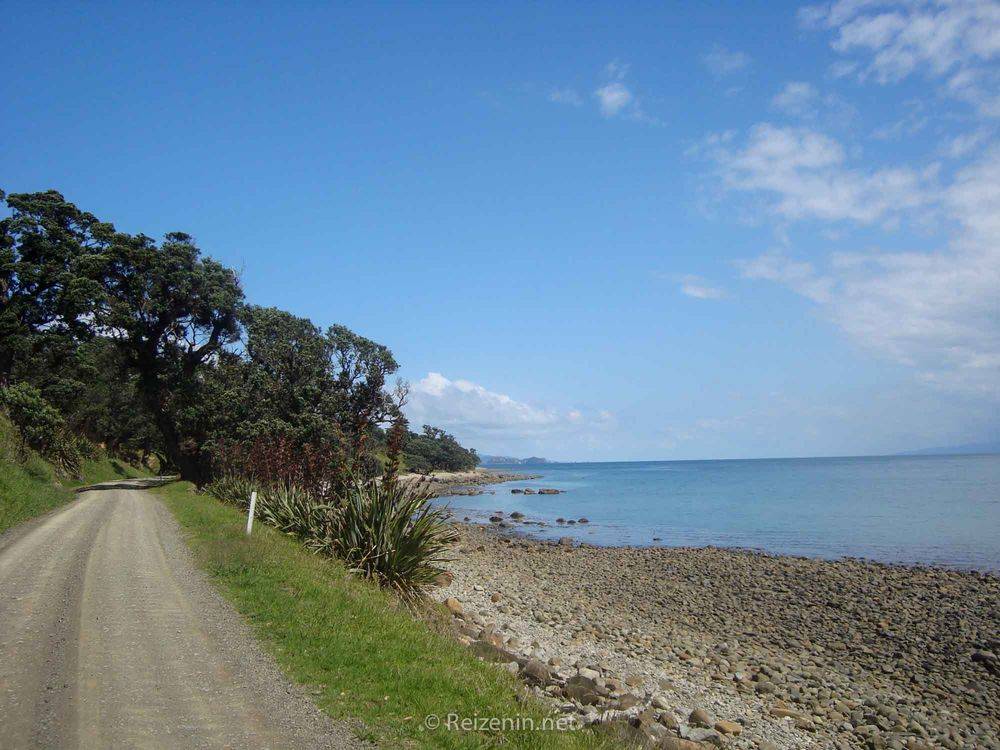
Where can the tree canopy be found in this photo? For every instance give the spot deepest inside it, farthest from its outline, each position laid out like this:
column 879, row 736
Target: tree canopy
column 150, row 347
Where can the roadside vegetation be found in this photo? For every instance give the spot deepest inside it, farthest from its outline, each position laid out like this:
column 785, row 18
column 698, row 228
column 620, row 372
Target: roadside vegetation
column 151, row 348
column 31, row 486
column 384, row 531
column 116, row 349
column 359, row 652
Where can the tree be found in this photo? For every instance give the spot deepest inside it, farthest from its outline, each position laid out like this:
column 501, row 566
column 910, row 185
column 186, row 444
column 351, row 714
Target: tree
column 361, row 368
column 287, row 376
column 52, row 262
column 171, row 312
column 318, row 390
column 148, row 347
column 435, row 449
column 106, row 406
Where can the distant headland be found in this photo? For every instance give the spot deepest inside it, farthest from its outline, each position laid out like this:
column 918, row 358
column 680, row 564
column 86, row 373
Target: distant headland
column 510, row 460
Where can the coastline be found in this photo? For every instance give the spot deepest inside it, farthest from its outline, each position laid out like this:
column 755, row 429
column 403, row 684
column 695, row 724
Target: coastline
column 791, row 651
column 457, row 483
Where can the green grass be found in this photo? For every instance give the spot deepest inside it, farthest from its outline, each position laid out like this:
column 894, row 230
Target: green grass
column 98, row 470
column 361, row 656
column 29, row 486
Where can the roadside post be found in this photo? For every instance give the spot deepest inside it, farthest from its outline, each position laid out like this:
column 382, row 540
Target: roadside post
column 253, row 505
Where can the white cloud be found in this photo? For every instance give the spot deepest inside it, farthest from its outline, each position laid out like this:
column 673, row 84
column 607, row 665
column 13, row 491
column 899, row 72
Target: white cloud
column 487, row 418
column 804, row 175
column 449, row 403
column 803, row 100
column 914, row 120
column 566, row 96
column 698, row 288
column 723, row 62
column 957, row 42
column 796, row 98
column 962, row 145
column 613, row 98
column 800, row 276
column 843, row 68
column 938, row 312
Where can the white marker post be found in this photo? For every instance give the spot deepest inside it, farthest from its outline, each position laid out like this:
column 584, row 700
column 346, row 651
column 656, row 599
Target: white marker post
column 253, row 505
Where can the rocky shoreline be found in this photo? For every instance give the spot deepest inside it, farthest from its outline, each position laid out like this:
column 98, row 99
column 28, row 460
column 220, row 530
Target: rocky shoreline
column 704, row 647
column 455, row 483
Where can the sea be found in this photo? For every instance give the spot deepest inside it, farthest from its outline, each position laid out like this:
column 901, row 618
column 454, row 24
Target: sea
column 931, row 510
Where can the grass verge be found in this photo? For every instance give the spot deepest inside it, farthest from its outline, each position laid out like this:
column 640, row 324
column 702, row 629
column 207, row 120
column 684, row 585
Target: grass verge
column 360, row 655
column 29, row 485
column 28, row 488
column 94, row 471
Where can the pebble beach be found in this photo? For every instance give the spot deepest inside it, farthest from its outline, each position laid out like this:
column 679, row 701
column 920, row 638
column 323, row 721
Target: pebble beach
column 709, row 647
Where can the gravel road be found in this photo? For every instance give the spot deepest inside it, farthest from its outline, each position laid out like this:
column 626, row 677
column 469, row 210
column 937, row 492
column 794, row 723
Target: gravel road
column 110, row 637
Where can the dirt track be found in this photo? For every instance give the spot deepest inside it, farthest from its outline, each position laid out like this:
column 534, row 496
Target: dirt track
column 110, row 638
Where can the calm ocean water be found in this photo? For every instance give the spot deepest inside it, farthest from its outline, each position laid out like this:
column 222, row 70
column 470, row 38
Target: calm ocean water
column 940, row 510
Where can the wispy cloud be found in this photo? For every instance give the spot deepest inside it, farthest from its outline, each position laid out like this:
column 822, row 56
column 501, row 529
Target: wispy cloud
column 802, row 100
column 566, row 96
column 915, row 119
column 697, row 288
column 954, row 42
column 800, row 276
column 804, row 174
column 616, row 70
column 939, row 311
column 960, row 146
column 796, row 98
column 451, row 403
column 613, row 96
column 722, row 62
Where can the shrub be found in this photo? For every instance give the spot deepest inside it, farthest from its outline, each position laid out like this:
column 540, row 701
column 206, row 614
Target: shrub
column 280, row 460
column 418, row 464
column 294, row 511
column 43, row 429
column 391, row 534
column 233, row 488
column 40, row 424
column 69, row 451
column 287, row 507
column 385, row 531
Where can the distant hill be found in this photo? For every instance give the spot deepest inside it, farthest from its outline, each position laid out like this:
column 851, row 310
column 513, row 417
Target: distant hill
column 492, row 460
column 956, row 450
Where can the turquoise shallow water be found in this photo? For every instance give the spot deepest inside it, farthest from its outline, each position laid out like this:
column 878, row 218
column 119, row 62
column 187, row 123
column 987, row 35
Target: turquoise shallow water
column 939, row 510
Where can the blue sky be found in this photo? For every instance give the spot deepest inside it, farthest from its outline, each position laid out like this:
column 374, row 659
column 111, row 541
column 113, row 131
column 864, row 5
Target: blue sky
column 588, row 231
